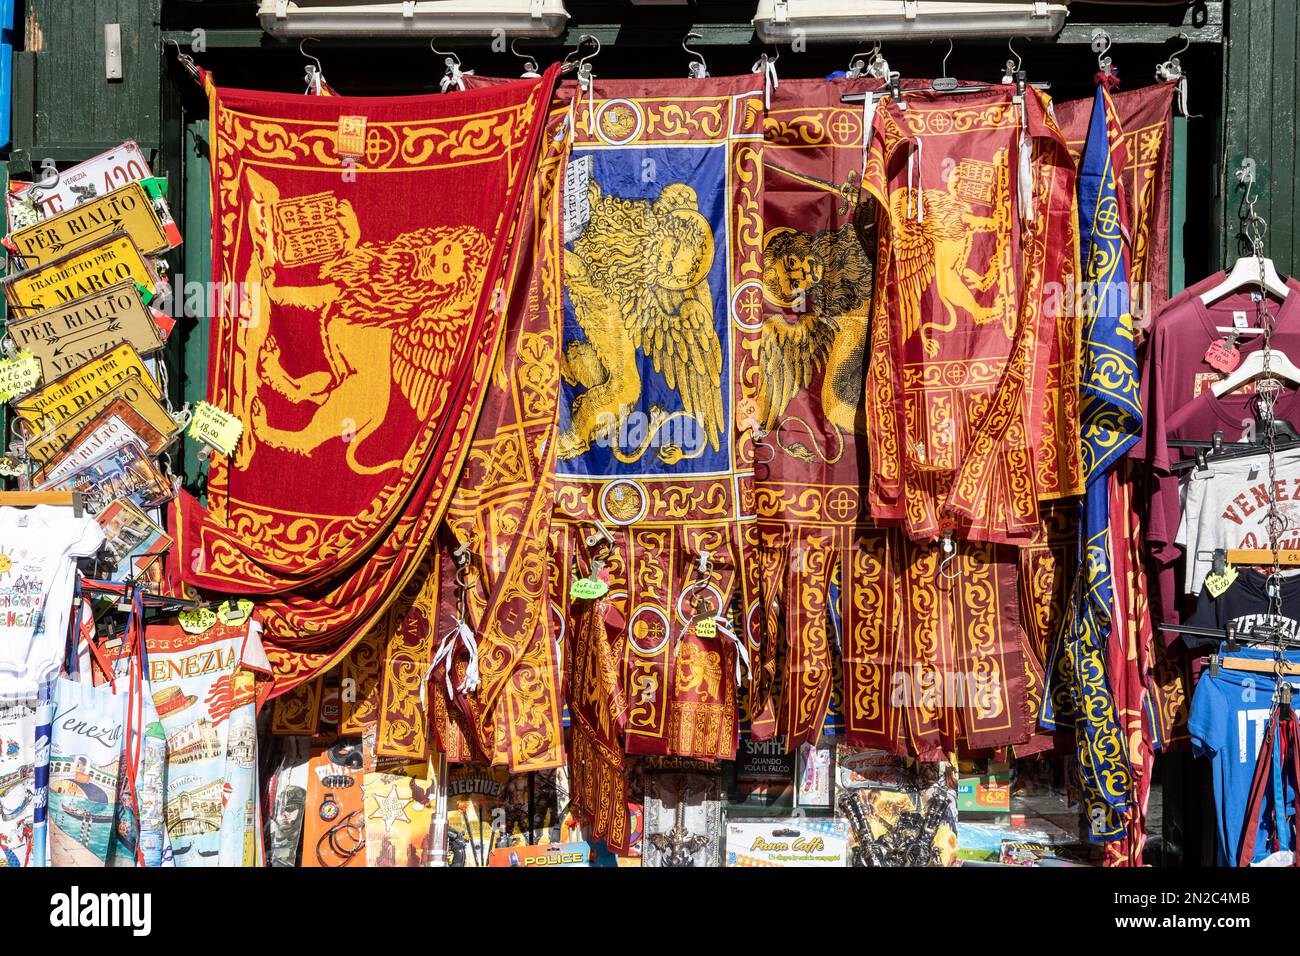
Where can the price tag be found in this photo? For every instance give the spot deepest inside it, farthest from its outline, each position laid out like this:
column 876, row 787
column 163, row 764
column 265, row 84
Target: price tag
column 19, row 375
column 706, row 627
column 197, row 621
column 747, row 414
column 235, row 614
column 351, row 137
column 1222, row 356
column 214, row 427
column 1216, row 584
column 588, row 589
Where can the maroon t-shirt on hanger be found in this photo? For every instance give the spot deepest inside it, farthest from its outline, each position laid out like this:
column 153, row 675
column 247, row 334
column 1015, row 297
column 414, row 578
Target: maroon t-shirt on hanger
column 1175, row 374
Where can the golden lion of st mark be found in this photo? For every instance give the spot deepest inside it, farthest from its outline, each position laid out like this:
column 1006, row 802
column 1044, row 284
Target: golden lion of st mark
column 637, row 278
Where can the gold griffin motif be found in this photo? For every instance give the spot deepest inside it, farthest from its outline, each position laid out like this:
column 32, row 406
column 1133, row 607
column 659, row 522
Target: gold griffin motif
column 825, row 282
column 395, row 311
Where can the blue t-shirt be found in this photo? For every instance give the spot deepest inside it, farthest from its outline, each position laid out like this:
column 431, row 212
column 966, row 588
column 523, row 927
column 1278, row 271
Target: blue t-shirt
column 1227, row 721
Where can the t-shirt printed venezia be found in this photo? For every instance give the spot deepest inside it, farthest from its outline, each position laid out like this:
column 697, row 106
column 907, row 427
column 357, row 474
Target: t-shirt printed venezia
column 39, row 548
column 1226, row 507
column 203, row 692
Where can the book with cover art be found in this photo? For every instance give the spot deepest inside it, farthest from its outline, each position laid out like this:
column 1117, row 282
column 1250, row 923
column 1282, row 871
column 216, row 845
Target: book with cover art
column 399, row 807
column 133, row 542
column 124, row 473
column 476, row 814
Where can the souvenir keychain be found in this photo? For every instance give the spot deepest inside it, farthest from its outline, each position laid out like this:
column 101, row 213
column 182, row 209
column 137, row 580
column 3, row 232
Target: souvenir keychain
column 329, row 807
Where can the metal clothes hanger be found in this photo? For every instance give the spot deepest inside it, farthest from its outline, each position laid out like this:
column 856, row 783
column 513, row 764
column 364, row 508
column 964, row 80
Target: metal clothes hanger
column 455, row 76
column 1261, row 634
column 857, row 66
column 1171, row 70
column 1101, row 44
column 944, row 83
column 1010, row 70
column 698, row 68
column 871, row 64
column 1216, row 449
column 766, row 65
column 315, row 74
column 583, row 63
column 530, row 65
column 1256, row 269
column 185, row 60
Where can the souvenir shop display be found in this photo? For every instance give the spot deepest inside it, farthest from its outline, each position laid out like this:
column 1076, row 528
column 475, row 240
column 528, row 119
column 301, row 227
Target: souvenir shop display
column 703, row 471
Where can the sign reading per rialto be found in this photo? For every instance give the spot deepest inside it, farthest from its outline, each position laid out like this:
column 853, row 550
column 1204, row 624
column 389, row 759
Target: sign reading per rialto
column 128, row 210
column 70, row 335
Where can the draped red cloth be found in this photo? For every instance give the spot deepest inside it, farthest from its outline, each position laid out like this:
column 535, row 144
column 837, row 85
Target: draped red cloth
column 971, row 391
column 367, row 246
column 1146, row 116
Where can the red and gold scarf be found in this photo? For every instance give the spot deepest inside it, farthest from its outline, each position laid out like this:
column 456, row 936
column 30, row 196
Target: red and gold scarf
column 661, row 268
column 972, row 393
column 809, row 422
column 341, row 273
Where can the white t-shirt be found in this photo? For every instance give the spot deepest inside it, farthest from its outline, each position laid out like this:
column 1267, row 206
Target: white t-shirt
column 39, row 548
column 1226, row 507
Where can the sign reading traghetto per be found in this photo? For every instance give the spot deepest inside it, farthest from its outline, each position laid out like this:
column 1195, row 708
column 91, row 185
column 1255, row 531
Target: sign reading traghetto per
column 94, row 268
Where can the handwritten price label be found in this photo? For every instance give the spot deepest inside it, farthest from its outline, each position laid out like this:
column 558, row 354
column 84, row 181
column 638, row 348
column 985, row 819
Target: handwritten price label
column 235, row 614
column 588, row 589
column 19, row 375
column 217, row 428
column 196, row 621
column 1216, row 584
column 706, row 627
column 1222, row 356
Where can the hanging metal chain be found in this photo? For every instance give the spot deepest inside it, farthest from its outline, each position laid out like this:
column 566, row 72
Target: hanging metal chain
column 1256, row 228
column 1267, row 392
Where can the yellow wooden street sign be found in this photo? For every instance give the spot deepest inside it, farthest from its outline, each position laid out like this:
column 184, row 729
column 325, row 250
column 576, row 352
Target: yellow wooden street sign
column 128, row 210
column 62, row 398
column 100, row 265
column 70, row 335
column 133, row 390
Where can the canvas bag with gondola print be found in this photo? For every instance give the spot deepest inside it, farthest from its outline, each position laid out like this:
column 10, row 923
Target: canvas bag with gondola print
column 87, row 737
column 140, row 832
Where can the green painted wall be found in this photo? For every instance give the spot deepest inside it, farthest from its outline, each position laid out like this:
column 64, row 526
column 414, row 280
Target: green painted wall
column 1259, row 120
column 64, row 107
